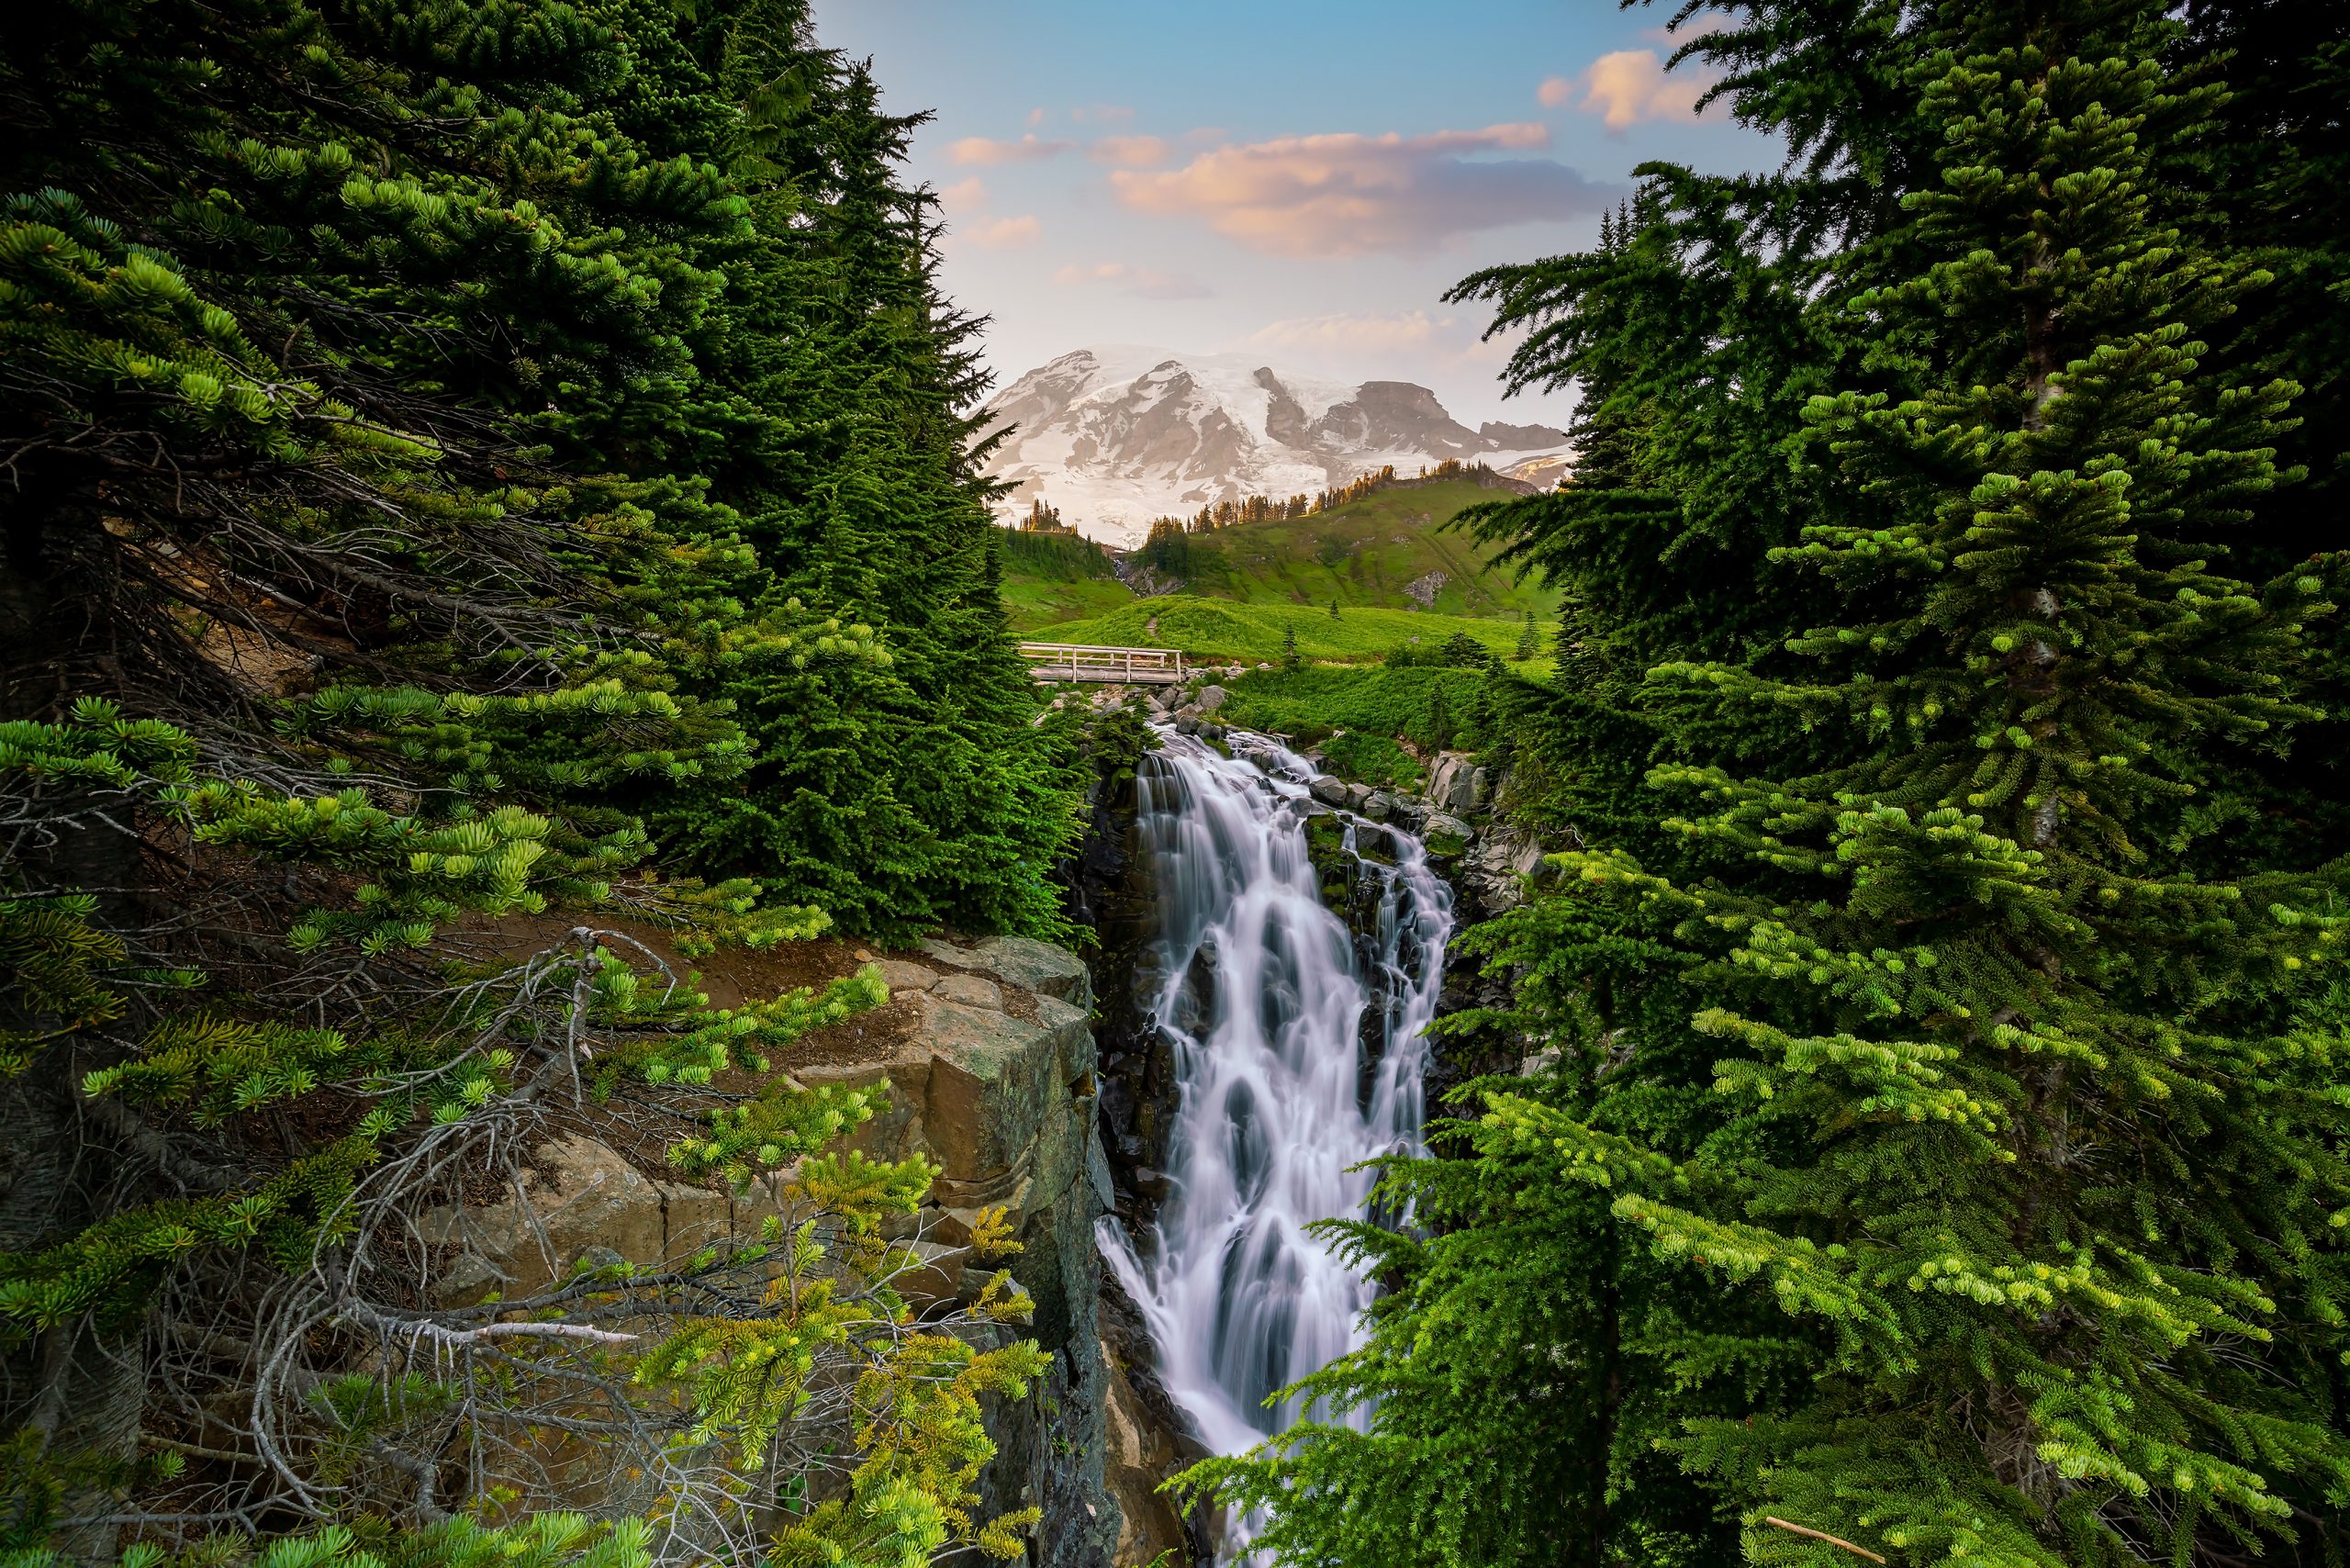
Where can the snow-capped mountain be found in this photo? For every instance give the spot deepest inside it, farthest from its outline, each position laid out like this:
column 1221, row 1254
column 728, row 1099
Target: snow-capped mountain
column 1117, row 435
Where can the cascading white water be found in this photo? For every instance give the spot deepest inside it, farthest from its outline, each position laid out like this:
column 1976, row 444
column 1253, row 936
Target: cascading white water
column 1275, row 1011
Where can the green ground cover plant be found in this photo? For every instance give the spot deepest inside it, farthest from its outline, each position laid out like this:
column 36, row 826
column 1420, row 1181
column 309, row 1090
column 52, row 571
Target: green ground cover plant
column 1375, row 703
column 1053, row 577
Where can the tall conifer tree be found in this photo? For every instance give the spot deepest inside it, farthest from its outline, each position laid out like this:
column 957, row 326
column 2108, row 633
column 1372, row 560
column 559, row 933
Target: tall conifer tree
column 1944, row 1127
column 373, row 571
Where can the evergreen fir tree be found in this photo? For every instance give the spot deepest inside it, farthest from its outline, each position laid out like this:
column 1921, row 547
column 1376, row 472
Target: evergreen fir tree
column 896, row 778
column 1943, row 1148
column 365, row 594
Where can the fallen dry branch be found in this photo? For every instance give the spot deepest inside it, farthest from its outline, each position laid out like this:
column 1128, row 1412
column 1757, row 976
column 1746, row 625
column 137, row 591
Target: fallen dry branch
column 1822, row 1535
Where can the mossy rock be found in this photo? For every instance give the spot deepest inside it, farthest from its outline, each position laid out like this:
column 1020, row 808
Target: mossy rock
column 1333, row 868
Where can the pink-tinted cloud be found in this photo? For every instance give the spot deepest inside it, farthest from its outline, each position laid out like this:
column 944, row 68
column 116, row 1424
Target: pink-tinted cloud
column 1358, row 334
column 963, row 196
column 996, row 233
column 1149, row 283
column 1414, row 345
column 985, row 152
column 1627, row 87
column 1131, row 152
column 1347, row 195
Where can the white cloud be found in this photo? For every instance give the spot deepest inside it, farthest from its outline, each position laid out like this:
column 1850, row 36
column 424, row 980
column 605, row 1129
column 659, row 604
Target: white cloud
column 1627, row 87
column 996, row 233
column 1149, row 283
column 1367, row 334
column 963, row 196
column 986, row 153
column 1131, row 152
column 1345, row 194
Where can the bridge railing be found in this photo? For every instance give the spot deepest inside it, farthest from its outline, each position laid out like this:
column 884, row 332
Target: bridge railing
column 1079, row 661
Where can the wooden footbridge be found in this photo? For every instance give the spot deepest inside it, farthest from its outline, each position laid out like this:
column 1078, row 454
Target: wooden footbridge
column 1075, row 661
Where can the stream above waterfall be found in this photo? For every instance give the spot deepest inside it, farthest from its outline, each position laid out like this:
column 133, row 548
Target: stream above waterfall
column 1298, row 1054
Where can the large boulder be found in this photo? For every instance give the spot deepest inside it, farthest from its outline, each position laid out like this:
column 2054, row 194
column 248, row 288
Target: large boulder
column 581, row 1198
column 1210, row 699
column 1330, row 791
column 1022, row 963
column 1451, row 786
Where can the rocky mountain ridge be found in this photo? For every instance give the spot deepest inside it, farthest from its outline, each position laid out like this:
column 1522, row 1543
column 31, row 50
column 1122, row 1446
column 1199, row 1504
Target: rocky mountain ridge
column 1117, row 435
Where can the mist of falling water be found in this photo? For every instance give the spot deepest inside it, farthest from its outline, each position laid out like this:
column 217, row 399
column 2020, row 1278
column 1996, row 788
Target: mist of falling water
column 1298, row 1055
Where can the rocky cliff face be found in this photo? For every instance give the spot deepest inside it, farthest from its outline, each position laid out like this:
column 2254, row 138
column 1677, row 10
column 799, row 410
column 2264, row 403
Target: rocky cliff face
column 988, row 1055
column 1000, row 1091
column 1117, row 436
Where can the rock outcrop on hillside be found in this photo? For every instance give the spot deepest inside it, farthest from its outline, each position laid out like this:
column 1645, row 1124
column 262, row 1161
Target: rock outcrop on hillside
column 987, row 1052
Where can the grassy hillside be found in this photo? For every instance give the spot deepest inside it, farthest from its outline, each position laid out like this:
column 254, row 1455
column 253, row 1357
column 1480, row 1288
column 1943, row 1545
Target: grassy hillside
column 1052, row 578
column 1221, row 628
column 1364, row 554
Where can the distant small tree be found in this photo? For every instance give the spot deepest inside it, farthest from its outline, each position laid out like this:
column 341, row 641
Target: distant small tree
column 1527, row 642
column 1333, row 609
column 1291, row 659
column 1440, row 726
column 1462, row 652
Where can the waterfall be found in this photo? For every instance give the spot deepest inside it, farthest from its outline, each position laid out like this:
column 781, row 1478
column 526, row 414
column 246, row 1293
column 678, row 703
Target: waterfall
column 1298, row 1054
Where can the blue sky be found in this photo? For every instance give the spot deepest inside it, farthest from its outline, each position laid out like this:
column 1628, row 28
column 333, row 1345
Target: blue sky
column 1295, row 181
